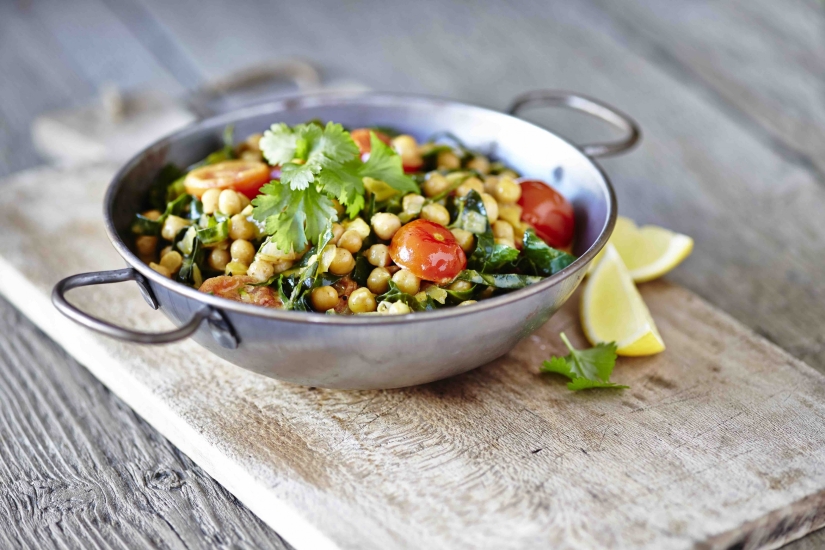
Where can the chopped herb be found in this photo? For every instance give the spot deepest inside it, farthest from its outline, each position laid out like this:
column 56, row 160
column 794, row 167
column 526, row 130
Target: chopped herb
column 586, row 369
column 509, row 281
column 538, row 258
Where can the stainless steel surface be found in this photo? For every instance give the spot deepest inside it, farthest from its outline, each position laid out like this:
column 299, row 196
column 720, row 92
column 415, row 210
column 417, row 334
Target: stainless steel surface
column 363, row 352
column 584, row 104
column 220, row 329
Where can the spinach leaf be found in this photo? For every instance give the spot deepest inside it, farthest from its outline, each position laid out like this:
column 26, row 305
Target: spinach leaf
column 190, row 273
column 159, row 192
column 508, row 281
column 538, row 258
column 144, row 226
column 295, row 286
column 471, row 214
column 362, row 270
column 489, row 256
column 394, row 294
column 215, row 231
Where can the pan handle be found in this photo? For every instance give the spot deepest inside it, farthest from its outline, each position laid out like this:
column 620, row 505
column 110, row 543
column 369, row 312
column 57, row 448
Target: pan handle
column 219, row 326
column 587, row 105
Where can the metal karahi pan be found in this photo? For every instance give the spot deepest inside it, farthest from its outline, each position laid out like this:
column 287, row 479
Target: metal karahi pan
column 368, row 352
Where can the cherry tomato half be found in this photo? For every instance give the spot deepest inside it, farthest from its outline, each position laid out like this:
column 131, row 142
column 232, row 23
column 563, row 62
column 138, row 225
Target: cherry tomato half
column 548, row 212
column 243, row 176
column 429, row 250
column 361, row 137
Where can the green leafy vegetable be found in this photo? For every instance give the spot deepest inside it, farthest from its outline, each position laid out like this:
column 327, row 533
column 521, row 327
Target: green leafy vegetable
column 318, row 165
column 538, row 258
column 394, row 294
column 144, row 226
column 508, row 281
column 294, row 286
column 470, row 213
column 586, row 369
column 215, row 232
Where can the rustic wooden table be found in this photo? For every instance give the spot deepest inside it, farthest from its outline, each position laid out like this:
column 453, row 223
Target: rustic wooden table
column 731, row 97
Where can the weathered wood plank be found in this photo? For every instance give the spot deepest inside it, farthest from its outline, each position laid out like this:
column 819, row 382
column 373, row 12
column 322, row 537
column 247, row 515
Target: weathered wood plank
column 761, row 62
column 56, row 55
column 718, row 441
column 79, row 467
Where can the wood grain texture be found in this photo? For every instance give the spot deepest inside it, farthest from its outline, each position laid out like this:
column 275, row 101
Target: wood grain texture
column 717, row 441
column 79, row 469
column 752, row 66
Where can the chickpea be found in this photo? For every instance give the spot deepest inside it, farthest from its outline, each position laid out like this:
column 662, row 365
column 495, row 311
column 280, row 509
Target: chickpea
column 362, row 301
column 253, row 156
column 436, row 213
column 435, row 184
column 236, row 268
column 510, row 213
column 406, row 281
column 337, row 231
column 253, row 142
column 161, row 269
column 218, row 259
column 508, row 174
column 491, row 206
column 166, row 250
column 242, row 251
column 385, row 225
column 379, row 255
column 503, row 230
column 470, row 183
column 229, row 203
column 379, row 280
column 172, row 227
column 261, row 270
column 244, row 201
column 172, row 261
column 407, row 149
column 241, row 228
column 339, row 208
column 393, row 269
column 323, row 298
column 146, row 245
column 358, row 225
column 480, row 164
column 412, row 203
column 461, row 286
column 152, row 214
column 210, row 200
column 281, row 266
column 467, row 303
column 351, row 241
column 507, row 191
column 399, row 308
column 447, row 160
column 465, row 239
column 342, row 263
column 490, row 183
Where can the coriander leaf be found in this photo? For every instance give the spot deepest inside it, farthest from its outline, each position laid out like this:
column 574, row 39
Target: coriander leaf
column 342, row 182
column 336, row 144
column 278, row 144
column 385, row 164
column 299, row 176
column 590, row 368
column 538, row 258
column 293, row 218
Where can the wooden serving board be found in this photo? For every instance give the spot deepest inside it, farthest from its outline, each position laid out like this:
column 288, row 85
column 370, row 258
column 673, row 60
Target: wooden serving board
column 718, row 443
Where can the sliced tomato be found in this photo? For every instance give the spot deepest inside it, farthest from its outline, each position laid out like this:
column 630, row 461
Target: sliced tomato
column 429, row 250
column 361, row 137
column 244, row 176
column 550, row 214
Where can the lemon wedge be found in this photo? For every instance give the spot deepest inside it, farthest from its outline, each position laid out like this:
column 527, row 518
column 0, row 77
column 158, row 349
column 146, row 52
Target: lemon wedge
column 648, row 251
column 612, row 310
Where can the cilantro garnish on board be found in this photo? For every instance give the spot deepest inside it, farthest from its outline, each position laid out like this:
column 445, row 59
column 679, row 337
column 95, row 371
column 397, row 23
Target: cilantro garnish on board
column 319, row 165
column 586, row 369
